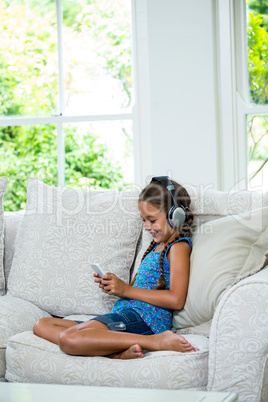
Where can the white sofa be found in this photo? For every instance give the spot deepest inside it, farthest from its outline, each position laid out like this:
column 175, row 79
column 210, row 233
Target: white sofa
column 46, row 272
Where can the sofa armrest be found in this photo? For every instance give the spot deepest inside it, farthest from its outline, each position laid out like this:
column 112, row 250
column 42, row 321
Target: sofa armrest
column 239, row 340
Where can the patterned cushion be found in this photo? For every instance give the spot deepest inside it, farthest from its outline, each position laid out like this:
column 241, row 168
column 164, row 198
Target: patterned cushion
column 208, row 205
column 213, row 203
column 3, row 185
column 32, row 359
column 16, row 316
column 62, row 231
column 12, row 225
column 224, row 252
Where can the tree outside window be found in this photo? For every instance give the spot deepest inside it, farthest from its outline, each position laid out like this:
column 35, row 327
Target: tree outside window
column 97, row 64
column 257, row 34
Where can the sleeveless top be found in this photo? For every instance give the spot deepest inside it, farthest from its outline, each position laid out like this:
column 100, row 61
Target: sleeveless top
column 157, row 318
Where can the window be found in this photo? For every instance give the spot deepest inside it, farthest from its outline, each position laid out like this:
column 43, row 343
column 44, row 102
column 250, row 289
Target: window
column 66, row 94
column 242, row 77
column 257, row 116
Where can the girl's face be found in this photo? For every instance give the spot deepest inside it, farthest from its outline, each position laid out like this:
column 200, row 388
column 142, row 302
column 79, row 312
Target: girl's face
column 155, row 222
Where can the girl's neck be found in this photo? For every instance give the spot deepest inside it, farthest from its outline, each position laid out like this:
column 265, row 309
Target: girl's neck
column 161, row 246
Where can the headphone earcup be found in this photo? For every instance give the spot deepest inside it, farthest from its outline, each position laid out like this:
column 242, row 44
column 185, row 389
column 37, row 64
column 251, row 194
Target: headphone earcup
column 176, row 217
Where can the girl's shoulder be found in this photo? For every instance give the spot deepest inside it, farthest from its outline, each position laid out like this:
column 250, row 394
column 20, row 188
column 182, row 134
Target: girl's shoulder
column 184, row 239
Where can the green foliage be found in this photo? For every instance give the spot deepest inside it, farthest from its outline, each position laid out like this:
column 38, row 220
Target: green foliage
column 86, row 162
column 257, row 60
column 27, row 151
column 260, row 7
column 258, row 81
column 29, row 86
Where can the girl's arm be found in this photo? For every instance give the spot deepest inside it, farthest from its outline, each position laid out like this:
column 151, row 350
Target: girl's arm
column 174, row 298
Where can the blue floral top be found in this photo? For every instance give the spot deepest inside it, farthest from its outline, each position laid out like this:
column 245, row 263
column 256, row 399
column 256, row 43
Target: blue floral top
column 157, row 318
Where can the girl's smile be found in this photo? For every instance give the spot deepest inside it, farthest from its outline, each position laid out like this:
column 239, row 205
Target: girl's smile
column 155, row 222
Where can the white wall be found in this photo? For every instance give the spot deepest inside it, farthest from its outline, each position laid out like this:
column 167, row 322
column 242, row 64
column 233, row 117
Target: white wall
column 180, row 99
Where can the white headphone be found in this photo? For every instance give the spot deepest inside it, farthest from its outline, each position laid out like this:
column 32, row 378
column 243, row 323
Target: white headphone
column 176, row 215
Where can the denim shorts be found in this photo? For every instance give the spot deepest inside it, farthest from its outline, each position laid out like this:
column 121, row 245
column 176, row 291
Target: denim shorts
column 127, row 320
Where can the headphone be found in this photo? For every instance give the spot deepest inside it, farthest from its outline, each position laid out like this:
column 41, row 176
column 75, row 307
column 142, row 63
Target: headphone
column 176, row 215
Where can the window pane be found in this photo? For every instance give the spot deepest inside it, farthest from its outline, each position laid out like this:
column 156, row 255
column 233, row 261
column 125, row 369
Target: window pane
column 28, row 58
column 97, row 56
column 258, row 152
column 26, row 151
column 98, row 154
column 258, row 51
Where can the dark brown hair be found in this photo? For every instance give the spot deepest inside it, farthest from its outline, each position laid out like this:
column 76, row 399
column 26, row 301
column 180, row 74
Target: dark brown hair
column 157, row 194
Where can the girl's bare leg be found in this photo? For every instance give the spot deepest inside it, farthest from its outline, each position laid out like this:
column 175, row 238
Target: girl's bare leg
column 50, row 328
column 93, row 338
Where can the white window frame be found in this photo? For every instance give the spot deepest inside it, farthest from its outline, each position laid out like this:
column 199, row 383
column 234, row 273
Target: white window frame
column 61, row 118
column 233, row 87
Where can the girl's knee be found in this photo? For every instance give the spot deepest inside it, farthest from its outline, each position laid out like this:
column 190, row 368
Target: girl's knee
column 41, row 324
column 68, row 342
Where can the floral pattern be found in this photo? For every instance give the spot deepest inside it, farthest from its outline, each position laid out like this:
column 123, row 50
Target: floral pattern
column 238, row 348
column 31, row 359
column 17, row 315
column 233, row 358
column 60, row 234
column 11, row 227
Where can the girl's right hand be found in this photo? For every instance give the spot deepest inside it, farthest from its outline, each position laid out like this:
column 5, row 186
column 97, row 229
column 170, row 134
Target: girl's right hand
column 112, row 285
column 97, row 279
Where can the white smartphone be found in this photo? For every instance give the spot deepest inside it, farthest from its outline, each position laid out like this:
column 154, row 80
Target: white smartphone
column 98, row 269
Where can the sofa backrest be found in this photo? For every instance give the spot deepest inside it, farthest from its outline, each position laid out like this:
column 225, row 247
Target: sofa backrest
column 207, row 205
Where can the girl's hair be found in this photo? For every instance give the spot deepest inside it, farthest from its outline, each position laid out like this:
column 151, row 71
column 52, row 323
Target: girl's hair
column 158, row 195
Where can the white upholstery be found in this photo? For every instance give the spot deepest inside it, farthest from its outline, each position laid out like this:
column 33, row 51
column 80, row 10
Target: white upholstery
column 17, row 316
column 61, row 232
column 225, row 251
column 233, row 358
column 31, row 359
column 11, row 228
column 238, row 346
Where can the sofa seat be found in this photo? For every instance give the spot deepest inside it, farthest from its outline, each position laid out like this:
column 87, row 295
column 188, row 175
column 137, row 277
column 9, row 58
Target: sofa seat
column 35, row 360
column 17, row 315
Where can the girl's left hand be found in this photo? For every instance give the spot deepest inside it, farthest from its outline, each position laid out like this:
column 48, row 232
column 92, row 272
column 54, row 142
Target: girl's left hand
column 112, row 285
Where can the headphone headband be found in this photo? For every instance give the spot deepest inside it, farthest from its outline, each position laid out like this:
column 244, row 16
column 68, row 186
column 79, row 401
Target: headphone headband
column 167, row 183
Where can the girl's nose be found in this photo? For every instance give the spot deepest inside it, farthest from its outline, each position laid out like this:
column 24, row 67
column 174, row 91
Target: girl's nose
column 147, row 225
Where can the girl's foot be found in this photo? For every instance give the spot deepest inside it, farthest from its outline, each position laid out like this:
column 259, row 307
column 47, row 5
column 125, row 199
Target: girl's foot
column 134, row 352
column 176, row 343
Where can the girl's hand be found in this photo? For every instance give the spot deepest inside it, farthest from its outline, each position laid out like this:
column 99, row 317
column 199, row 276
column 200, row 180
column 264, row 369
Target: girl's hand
column 97, row 279
column 112, row 285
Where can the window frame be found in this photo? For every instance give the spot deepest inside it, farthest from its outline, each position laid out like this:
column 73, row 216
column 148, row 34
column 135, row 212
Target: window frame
column 234, row 103
column 60, row 118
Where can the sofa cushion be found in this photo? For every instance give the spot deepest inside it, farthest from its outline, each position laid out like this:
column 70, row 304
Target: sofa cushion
column 208, row 205
column 16, row 316
column 32, row 359
column 62, row 231
column 3, row 185
column 12, row 225
column 224, row 252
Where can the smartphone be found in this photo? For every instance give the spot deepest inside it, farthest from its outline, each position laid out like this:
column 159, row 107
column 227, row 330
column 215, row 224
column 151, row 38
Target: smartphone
column 98, row 269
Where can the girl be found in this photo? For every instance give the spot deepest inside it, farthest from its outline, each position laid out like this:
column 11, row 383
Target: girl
column 142, row 317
